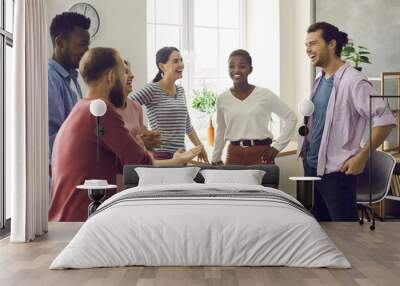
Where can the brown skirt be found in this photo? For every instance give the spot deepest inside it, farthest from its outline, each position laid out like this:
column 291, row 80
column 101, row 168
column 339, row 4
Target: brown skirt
column 237, row 155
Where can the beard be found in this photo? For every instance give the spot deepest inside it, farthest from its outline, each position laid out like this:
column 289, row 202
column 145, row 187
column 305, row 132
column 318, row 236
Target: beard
column 116, row 95
column 323, row 60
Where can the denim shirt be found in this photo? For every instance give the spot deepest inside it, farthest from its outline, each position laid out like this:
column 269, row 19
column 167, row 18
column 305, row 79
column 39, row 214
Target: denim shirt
column 61, row 97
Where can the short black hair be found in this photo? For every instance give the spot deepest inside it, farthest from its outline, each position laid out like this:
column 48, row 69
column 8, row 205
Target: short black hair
column 329, row 33
column 244, row 54
column 64, row 23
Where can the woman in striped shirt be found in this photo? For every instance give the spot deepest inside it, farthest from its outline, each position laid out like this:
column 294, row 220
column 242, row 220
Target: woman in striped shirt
column 166, row 106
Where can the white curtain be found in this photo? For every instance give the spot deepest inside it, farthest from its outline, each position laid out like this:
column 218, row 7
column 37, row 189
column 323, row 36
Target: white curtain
column 26, row 123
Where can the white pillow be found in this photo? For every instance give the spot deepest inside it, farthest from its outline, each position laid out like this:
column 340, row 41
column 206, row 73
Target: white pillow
column 166, row 176
column 248, row 177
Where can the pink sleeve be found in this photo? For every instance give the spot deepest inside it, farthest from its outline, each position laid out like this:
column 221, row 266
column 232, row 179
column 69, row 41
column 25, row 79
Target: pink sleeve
column 140, row 114
column 380, row 111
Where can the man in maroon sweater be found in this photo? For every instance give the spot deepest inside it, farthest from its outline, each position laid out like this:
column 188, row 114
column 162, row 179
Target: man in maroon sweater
column 74, row 151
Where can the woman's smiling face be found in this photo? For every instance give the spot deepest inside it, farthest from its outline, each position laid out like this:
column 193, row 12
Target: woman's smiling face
column 239, row 69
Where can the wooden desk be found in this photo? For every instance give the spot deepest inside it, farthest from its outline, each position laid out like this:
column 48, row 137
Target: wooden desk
column 290, row 149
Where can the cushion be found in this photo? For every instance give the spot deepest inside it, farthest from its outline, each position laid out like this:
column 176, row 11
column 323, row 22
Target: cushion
column 248, row 177
column 162, row 176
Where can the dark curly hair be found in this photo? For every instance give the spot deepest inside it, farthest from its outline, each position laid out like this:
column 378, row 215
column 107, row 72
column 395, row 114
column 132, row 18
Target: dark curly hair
column 64, row 23
column 329, row 33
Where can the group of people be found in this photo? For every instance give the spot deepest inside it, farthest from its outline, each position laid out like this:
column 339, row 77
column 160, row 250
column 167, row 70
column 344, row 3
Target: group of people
column 331, row 150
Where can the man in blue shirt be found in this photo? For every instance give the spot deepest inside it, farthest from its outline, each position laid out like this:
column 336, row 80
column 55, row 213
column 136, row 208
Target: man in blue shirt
column 332, row 150
column 70, row 38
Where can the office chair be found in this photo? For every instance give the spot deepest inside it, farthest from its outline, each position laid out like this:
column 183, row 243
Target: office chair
column 381, row 174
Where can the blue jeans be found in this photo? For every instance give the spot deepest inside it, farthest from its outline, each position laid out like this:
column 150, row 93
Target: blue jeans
column 334, row 196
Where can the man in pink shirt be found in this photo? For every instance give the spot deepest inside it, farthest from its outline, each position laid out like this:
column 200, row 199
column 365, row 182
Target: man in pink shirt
column 332, row 148
column 74, row 152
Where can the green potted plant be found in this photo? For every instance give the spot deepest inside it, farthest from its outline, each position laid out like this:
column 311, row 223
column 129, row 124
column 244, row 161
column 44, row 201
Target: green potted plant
column 356, row 54
column 205, row 101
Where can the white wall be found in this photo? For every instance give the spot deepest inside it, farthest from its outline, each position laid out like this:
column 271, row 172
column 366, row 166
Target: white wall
column 302, row 67
column 295, row 71
column 287, row 70
column 276, row 31
column 122, row 26
column 289, row 166
column 262, row 33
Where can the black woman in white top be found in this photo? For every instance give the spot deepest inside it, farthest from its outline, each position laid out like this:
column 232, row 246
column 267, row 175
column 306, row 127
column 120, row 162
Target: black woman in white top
column 244, row 116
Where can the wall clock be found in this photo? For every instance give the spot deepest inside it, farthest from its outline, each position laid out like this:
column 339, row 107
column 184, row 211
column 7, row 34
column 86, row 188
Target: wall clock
column 90, row 12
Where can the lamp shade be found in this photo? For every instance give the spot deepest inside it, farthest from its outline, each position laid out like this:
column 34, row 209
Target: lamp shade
column 98, row 107
column 306, row 107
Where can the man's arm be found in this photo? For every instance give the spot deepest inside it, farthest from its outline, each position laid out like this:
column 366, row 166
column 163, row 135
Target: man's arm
column 117, row 140
column 180, row 157
column 382, row 119
column 150, row 139
column 355, row 165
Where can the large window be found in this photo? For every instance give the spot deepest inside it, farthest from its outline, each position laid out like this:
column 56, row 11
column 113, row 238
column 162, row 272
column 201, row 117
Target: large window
column 6, row 44
column 205, row 31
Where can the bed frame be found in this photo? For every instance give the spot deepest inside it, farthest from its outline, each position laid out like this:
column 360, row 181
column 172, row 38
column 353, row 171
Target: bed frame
column 270, row 179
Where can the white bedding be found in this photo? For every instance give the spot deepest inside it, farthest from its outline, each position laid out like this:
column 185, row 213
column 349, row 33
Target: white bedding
column 183, row 231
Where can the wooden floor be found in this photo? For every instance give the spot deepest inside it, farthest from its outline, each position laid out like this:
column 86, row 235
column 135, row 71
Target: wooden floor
column 375, row 256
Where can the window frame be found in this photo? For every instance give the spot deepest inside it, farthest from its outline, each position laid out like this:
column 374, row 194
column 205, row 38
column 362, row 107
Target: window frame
column 187, row 38
column 242, row 40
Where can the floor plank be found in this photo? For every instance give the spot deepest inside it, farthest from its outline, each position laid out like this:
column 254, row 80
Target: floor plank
column 374, row 255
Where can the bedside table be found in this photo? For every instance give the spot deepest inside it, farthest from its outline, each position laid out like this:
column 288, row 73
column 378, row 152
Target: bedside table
column 305, row 190
column 96, row 194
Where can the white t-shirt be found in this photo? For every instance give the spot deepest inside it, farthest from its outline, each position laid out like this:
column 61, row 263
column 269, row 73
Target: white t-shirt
column 250, row 119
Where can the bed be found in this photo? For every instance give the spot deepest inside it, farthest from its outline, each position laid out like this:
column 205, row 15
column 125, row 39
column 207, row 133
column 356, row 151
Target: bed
column 198, row 224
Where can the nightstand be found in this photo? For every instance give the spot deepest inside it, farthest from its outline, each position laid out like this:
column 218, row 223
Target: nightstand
column 96, row 194
column 305, row 190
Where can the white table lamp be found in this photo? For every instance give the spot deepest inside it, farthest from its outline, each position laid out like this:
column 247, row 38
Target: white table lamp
column 306, row 109
column 98, row 108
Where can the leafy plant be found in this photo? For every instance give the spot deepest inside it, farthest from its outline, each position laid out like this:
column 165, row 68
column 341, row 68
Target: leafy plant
column 356, row 54
column 205, row 100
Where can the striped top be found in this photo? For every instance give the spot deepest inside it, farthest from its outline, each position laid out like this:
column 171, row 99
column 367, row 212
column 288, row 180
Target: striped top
column 167, row 114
